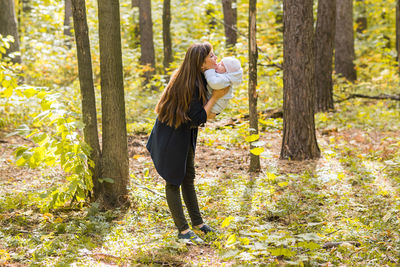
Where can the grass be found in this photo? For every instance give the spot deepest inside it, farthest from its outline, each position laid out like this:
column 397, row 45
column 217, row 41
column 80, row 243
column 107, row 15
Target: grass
column 283, row 216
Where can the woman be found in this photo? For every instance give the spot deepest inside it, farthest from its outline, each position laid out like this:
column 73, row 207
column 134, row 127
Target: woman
column 183, row 106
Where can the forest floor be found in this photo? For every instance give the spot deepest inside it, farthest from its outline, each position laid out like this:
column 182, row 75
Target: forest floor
column 342, row 209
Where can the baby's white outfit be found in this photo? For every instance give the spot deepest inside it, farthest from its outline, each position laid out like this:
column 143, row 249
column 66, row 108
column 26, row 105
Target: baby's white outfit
column 216, row 81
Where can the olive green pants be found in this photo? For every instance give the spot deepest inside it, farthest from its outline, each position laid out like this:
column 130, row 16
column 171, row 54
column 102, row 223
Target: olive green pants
column 189, row 196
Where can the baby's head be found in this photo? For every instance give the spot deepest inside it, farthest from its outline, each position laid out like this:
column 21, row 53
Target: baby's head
column 228, row 64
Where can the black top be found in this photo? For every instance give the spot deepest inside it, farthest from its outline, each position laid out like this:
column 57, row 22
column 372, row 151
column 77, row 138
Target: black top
column 169, row 146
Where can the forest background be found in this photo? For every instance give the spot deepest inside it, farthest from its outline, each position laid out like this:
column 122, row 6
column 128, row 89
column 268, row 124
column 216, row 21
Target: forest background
column 339, row 209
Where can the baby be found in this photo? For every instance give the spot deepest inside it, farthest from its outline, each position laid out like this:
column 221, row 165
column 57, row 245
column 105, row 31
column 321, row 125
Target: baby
column 228, row 73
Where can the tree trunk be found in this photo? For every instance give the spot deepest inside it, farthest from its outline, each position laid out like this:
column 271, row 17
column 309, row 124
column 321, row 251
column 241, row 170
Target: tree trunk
column 87, row 90
column 229, row 10
column 146, row 39
column 253, row 116
column 344, row 40
column 166, row 18
column 115, row 147
column 324, row 38
column 8, row 26
column 299, row 139
column 67, row 17
column 135, row 3
column 398, row 31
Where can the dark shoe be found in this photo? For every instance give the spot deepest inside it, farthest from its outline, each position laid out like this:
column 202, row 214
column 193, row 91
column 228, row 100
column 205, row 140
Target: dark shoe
column 190, row 238
column 207, row 229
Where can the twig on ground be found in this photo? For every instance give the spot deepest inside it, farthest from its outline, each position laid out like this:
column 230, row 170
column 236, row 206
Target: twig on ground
column 331, row 233
column 329, row 245
column 148, row 189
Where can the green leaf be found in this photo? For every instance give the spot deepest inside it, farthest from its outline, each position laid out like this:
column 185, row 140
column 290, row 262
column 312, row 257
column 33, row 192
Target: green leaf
column 309, row 245
column 29, row 92
column 39, row 138
column 282, row 252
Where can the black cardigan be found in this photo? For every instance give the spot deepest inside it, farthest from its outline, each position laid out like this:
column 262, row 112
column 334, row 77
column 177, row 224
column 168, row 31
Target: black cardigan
column 169, row 146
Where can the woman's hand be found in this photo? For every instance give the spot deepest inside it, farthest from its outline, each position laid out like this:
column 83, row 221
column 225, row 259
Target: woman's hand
column 216, row 94
column 220, row 93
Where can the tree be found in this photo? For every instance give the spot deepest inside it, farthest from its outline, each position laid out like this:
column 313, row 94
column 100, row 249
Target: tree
column 324, row 38
column 67, row 17
column 166, row 18
column 398, row 31
column 114, row 160
column 8, row 26
column 87, row 90
column 230, row 17
column 299, row 139
column 344, row 40
column 146, row 39
column 254, row 159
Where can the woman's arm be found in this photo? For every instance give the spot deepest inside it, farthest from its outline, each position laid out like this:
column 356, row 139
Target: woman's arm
column 216, row 94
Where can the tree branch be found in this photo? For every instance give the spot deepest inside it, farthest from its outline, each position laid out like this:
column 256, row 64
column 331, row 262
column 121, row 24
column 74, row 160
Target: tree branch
column 382, row 96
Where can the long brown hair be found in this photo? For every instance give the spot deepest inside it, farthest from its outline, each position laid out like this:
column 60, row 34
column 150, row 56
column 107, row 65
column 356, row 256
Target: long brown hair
column 174, row 103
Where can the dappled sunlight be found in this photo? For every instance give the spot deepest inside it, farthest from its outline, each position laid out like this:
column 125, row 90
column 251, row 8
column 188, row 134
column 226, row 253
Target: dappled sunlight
column 341, row 209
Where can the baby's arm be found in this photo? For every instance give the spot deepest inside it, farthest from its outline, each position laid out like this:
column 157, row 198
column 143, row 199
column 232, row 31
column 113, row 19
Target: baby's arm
column 216, row 80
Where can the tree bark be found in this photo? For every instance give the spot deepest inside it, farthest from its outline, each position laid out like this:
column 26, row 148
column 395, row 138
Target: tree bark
column 230, row 15
column 253, row 116
column 67, row 17
column 299, row 139
column 398, row 31
column 324, row 38
column 115, row 146
column 135, row 3
column 89, row 113
column 166, row 18
column 344, row 40
column 146, row 39
column 8, row 26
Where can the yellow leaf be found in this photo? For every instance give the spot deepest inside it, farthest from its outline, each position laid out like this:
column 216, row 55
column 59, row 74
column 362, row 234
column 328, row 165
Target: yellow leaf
column 231, row 240
column 252, row 138
column 227, row 221
column 340, row 176
column 271, row 176
column 137, row 156
column 7, row 92
column 257, row 151
column 283, row 184
column 245, row 241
